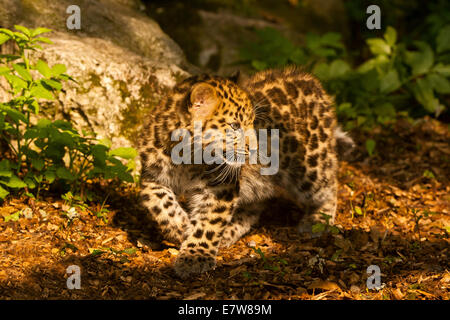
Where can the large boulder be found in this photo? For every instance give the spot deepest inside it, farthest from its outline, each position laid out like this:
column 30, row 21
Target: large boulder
column 122, row 61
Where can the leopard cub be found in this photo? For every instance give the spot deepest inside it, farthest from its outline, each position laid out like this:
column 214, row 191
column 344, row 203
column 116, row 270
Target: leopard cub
column 223, row 199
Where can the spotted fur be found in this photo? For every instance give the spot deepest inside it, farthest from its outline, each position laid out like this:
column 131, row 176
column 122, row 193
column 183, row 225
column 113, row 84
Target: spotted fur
column 218, row 212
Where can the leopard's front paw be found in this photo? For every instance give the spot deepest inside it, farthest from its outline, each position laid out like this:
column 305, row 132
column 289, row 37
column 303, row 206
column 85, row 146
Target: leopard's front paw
column 189, row 264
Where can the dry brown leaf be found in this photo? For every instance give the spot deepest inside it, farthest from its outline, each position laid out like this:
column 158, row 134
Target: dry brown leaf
column 324, row 285
column 195, row 296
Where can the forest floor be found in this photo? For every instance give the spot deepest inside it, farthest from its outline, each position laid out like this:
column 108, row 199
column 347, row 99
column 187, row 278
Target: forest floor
column 393, row 212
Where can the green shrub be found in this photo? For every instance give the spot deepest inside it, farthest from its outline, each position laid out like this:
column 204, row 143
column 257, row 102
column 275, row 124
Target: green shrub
column 44, row 151
column 398, row 77
column 272, row 49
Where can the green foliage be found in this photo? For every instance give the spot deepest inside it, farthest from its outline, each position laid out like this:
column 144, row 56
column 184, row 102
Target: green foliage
column 121, row 254
column 43, row 151
column 370, row 146
column 396, row 78
column 12, row 217
column 428, row 174
column 270, row 263
column 325, row 227
column 272, row 49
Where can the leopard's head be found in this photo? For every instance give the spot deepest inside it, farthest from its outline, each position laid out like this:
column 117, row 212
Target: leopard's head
column 226, row 115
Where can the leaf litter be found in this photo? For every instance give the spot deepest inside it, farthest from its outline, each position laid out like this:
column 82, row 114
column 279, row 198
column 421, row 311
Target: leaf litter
column 393, row 212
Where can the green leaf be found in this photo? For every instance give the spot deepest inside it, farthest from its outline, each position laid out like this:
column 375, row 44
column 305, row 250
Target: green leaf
column 322, row 71
column 96, row 252
column 4, row 70
column 373, row 63
column 378, row 46
column 22, row 72
column 36, row 46
column 420, row 61
column 13, row 217
column 14, row 182
column 125, row 176
column 6, row 173
column 43, row 39
column 298, row 56
column 259, row 65
column 423, row 91
column 334, row 230
column 3, row 38
column 105, row 142
column 24, row 30
column 439, row 83
column 20, row 36
column 16, row 115
column 389, row 82
column 338, row 68
column 5, row 165
column 336, row 255
column 30, row 182
column 443, row 39
column 39, row 178
column 346, row 109
column 15, row 81
column 324, row 46
column 52, row 83
column 50, row 176
column 370, row 146
column 428, row 174
column 57, row 69
column 3, row 193
column 43, row 123
column 442, row 69
column 358, row 210
column 318, row 227
column 129, row 251
column 360, row 120
column 332, row 39
column 35, row 106
column 39, row 91
column 390, row 36
column 38, row 164
column 7, row 31
column 39, row 31
column 385, row 111
column 43, row 68
column 125, row 153
column 65, row 174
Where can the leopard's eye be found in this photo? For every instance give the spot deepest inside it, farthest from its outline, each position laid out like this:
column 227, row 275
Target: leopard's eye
column 235, row 125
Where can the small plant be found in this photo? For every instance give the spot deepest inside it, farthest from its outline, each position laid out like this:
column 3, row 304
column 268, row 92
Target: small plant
column 41, row 151
column 428, row 174
column 370, row 146
column 121, row 254
column 103, row 211
column 270, row 263
column 325, row 227
column 12, row 217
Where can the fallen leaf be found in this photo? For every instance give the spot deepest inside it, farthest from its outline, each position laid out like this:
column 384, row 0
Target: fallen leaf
column 324, row 285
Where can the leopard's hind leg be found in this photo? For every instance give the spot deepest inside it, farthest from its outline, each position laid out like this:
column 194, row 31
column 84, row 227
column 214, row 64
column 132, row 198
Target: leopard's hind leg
column 314, row 188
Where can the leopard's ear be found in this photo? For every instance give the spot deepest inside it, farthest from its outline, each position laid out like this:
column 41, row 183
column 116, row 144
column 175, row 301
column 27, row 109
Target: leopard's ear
column 235, row 76
column 238, row 77
column 204, row 101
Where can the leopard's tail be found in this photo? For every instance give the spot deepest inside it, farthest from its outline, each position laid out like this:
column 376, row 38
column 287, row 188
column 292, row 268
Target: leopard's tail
column 344, row 142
